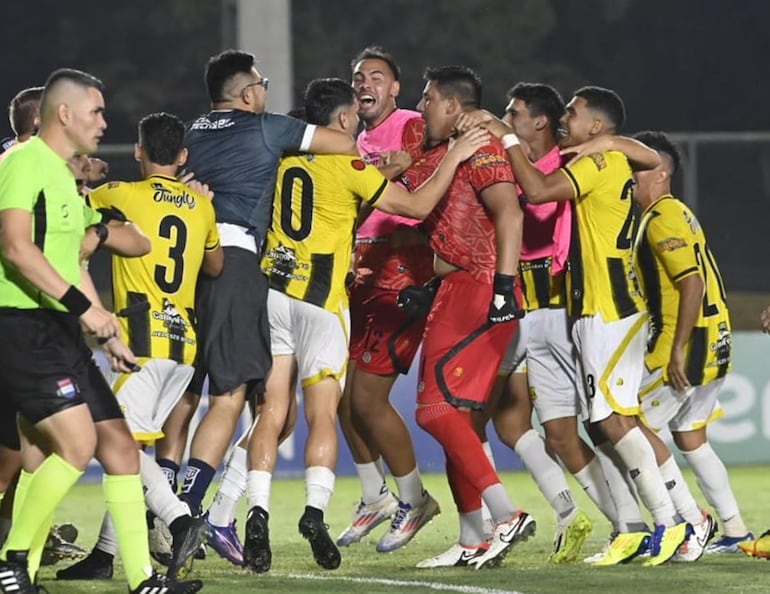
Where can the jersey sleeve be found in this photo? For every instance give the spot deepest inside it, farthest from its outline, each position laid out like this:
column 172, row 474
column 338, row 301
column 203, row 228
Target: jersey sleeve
column 673, row 242
column 586, row 173
column 282, row 133
column 212, row 236
column 108, row 195
column 364, row 180
column 412, row 136
column 489, row 165
column 19, row 187
column 90, row 215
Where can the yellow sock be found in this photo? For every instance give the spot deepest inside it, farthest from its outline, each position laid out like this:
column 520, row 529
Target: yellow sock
column 22, row 484
column 36, row 549
column 125, row 502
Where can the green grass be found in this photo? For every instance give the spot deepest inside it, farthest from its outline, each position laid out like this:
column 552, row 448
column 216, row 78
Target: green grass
column 525, row 570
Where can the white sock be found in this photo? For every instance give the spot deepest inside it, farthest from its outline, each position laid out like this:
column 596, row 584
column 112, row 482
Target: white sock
column 622, row 491
column 158, row 495
column 638, row 456
column 373, row 485
column 231, row 489
column 486, row 515
column 108, row 538
column 684, row 502
column 500, row 505
column 319, row 486
column 410, row 489
column 546, row 472
column 714, row 483
column 258, row 488
column 472, row 529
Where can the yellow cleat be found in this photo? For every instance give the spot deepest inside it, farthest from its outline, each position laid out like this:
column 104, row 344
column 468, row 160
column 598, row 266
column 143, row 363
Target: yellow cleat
column 665, row 542
column 759, row 548
column 570, row 538
column 625, row 546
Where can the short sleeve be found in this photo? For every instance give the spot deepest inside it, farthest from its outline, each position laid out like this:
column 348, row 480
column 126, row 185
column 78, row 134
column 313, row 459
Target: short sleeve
column 364, row 180
column 107, row 195
column 489, row 165
column 585, row 174
column 90, row 216
column 673, row 242
column 283, row 134
column 19, row 185
column 212, row 236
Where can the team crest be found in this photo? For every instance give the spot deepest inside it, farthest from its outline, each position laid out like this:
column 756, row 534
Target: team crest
column 358, row 164
column 598, row 159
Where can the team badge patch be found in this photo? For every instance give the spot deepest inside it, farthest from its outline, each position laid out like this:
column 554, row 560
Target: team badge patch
column 358, row 164
column 598, row 159
column 670, row 244
column 112, row 184
column 66, row 388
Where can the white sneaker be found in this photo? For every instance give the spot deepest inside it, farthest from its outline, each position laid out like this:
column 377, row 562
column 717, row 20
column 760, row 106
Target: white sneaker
column 517, row 529
column 367, row 517
column 693, row 548
column 407, row 522
column 456, row 556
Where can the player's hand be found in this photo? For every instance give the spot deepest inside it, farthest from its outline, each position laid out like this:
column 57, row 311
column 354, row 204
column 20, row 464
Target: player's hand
column 598, row 144
column 100, row 322
column 765, row 319
column 677, row 375
column 399, row 161
column 504, row 307
column 189, row 180
column 121, row 358
column 463, row 146
column 482, row 119
column 416, row 300
column 97, row 170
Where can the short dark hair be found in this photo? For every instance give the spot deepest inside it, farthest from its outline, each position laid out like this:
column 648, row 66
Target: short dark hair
column 161, row 136
column 456, row 81
column 224, row 66
column 298, row 113
column 606, row 101
column 22, row 109
column 660, row 142
column 376, row 52
column 541, row 100
column 323, row 96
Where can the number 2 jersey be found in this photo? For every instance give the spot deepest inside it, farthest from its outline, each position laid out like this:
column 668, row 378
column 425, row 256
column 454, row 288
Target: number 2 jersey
column 309, row 243
column 671, row 246
column 155, row 295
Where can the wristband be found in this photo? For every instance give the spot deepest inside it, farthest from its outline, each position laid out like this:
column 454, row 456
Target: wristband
column 74, row 301
column 102, row 232
column 503, row 284
column 509, row 140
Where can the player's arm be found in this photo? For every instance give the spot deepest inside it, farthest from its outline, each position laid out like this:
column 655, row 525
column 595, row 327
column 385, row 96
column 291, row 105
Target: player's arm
column 213, row 261
column 765, row 320
column 327, row 141
column 639, row 155
column 394, row 163
column 690, row 289
column 109, row 227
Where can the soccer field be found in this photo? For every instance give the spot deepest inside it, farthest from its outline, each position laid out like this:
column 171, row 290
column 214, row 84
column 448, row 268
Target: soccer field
column 525, row 570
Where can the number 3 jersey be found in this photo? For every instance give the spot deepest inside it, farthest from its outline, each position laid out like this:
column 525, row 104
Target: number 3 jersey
column 154, row 296
column 309, row 243
column 671, row 246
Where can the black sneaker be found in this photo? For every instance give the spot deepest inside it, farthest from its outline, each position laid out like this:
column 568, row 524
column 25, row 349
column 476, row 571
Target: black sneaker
column 96, row 566
column 256, row 548
column 14, row 578
column 186, row 542
column 160, row 584
column 58, row 548
column 312, row 527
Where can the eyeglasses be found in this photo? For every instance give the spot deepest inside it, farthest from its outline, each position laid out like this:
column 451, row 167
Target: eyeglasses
column 264, row 82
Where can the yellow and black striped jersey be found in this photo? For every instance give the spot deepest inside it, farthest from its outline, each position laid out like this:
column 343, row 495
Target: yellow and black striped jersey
column 155, row 294
column 310, row 241
column 671, row 246
column 600, row 278
column 541, row 289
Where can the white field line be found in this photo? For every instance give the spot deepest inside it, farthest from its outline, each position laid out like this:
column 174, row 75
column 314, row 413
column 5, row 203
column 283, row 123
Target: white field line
column 408, row 583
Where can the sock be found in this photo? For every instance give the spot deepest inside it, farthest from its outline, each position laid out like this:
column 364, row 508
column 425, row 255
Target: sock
column 546, row 472
column 125, row 503
column 319, row 486
column 22, row 484
column 44, row 491
column 258, row 489
column 472, row 533
column 159, row 497
column 622, row 490
column 36, row 549
column 486, row 515
column 680, row 493
column 410, row 488
column 638, row 456
column 231, row 489
column 108, row 537
column 197, row 479
column 591, row 478
column 373, row 485
column 170, row 471
column 714, row 483
column 500, row 505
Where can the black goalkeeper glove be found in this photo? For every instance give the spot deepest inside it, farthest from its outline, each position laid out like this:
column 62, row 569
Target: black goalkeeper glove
column 416, row 300
column 504, row 307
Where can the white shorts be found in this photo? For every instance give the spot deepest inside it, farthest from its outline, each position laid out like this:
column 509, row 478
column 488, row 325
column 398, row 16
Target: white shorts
column 552, row 366
column 317, row 338
column 663, row 406
column 148, row 396
column 611, row 355
column 515, row 357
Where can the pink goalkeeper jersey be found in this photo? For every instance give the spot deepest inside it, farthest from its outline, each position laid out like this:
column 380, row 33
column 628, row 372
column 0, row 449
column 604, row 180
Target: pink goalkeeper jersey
column 385, row 137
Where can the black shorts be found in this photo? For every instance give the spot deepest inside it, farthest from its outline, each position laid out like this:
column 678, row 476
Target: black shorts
column 233, row 328
column 9, row 432
column 47, row 367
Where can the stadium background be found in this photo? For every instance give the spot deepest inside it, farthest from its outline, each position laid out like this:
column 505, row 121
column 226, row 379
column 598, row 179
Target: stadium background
column 693, row 68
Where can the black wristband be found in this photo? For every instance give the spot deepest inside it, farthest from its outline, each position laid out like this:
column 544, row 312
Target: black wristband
column 503, row 283
column 75, row 301
column 102, row 232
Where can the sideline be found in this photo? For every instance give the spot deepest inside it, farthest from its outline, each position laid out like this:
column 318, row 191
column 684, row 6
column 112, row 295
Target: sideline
column 439, row 586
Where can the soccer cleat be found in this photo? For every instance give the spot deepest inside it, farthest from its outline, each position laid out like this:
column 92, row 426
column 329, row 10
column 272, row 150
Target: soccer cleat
column 14, row 578
column 604, row 552
column 665, row 542
column 185, row 545
column 159, row 537
column 506, row 534
column 456, row 556
column 256, row 548
column 759, row 548
column 224, row 540
column 367, row 517
column 325, row 552
column 58, row 548
column 407, row 522
column 728, row 544
column 66, row 531
column 161, row 584
column 96, row 566
column 570, row 538
column 692, row 548
column 623, row 547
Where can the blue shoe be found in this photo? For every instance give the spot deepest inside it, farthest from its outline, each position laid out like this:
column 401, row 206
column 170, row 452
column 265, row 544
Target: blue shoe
column 728, row 544
column 224, row 540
